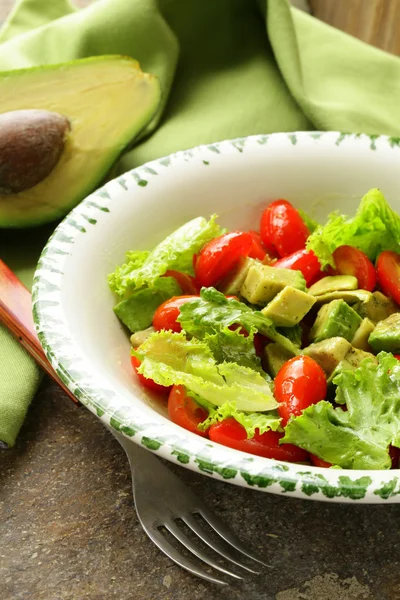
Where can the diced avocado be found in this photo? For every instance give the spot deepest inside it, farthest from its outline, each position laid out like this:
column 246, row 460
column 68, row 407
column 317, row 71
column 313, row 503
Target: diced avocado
column 336, row 319
column 351, row 297
column 351, row 361
column 106, row 100
column 386, row 335
column 294, row 334
column 288, row 307
column 275, row 357
column 141, row 336
column 360, row 339
column 263, row 283
column 231, row 284
column 137, row 311
column 328, row 353
column 377, row 307
column 334, row 283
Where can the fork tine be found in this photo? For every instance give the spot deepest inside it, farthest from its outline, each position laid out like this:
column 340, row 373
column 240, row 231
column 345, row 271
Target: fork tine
column 163, row 544
column 227, row 535
column 187, row 542
column 195, row 527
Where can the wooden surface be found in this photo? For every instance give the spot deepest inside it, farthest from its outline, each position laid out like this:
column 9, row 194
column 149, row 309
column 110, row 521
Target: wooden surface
column 374, row 21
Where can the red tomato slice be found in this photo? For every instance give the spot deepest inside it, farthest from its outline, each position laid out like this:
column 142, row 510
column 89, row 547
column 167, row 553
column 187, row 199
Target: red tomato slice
column 148, row 383
column 318, row 462
column 257, row 249
column 388, row 272
column 395, row 456
column 220, row 255
column 167, row 313
column 351, row 261
column 282, row 229
column 185, row 411
column 231, row 433
column 299, row 383
column 187, row 283
column 302, row 260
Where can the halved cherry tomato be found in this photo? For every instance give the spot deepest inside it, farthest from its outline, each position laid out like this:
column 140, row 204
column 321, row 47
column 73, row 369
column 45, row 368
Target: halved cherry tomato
column 318, row 462
column 351, row 261
column 388, row 272
column 302, row 260
column 257, row 249
column 299, row 383
column 148, row 383
column 282, row 229
column 220, row 255
column 167, row 313
column 394, row 454
column 187, row 283
column 397, row 356
column 231, row 433
column 185, row 411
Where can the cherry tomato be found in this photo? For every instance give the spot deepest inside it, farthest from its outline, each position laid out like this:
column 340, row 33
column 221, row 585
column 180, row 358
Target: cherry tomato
column 388, row 272
column 257, row 249
column 260, row 341
column 185, row 411
column 395, row 456
column 231, row 433
column 282, row 229
column 351, row 261
column 302, row 260
column 148, row 383
column 397, row 356
column 318, row 462
column 167, row 313
column 187, row 283
column 220, row 255
column 299, row 383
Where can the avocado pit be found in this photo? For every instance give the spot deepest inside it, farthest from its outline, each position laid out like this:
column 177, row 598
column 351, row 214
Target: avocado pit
column 31, row 144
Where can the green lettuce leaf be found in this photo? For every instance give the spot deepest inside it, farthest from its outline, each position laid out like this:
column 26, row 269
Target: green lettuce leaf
column 134, row 260
column 169, row 358
column 358, row 438
column 250, row 421
column 294, row 334
column 232, row 346
column 174, row 252
column 213, row 312
column 137, row 311
column 311, row 223
column 374, row 228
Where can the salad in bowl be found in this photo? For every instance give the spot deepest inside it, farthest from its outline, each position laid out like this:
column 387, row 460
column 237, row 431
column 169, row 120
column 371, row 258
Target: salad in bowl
column 279, row 341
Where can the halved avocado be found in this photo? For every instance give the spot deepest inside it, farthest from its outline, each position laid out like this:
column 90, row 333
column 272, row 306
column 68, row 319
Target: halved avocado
column 107, row 101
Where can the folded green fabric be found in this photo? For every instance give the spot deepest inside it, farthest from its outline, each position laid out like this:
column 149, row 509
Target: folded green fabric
column 228, row 68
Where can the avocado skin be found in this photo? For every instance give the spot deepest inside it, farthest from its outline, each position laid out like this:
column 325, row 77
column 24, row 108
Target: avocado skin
column 386, row 335
column 336, row 319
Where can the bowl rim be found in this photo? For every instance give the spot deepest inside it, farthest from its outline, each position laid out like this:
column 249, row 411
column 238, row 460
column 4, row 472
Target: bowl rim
column 165, row 438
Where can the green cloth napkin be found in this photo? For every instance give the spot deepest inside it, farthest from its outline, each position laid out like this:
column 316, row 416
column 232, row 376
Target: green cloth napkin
column 228, row 68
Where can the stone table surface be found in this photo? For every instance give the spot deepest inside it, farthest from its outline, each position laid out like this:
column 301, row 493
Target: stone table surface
column 68, row 528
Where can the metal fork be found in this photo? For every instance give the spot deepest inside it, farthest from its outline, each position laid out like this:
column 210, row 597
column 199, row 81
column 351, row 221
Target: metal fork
column 161, row 499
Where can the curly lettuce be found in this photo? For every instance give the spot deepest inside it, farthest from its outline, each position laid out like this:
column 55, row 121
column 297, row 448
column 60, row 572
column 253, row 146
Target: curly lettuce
column 374, row 228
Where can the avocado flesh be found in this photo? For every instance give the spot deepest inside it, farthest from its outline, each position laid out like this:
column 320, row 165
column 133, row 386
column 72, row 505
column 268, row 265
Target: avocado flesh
column 386, row 335
column 107, row 101
column 336, row 319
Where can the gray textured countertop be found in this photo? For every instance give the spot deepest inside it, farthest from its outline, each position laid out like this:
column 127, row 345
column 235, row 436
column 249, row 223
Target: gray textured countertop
column 68, row 528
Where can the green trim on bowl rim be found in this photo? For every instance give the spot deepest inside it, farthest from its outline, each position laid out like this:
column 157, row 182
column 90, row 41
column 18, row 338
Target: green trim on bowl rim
column 164, row 437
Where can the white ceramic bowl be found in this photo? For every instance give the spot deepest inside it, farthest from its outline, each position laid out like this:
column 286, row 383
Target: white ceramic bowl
column 88, row 347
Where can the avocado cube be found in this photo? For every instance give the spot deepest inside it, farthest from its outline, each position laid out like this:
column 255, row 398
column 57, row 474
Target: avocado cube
column 336, row 319
column 288, row 307
column 231, row 284
column 328, row 353
column 275, row 357
column 334, row 283
column 141, row 336
column 386, row 335
column 349, row 296
column 263, row 283
column 351, row 361
column 377, row 307
column 360, row 339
